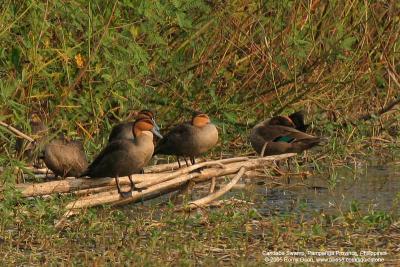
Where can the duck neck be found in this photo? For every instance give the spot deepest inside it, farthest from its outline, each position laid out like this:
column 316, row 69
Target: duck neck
column 144, row 137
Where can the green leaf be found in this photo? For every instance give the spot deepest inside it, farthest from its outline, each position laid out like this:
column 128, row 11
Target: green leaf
column 231, row 117
column 15, row 58
column 380, row 80
column 107, row 77
column 348, row 42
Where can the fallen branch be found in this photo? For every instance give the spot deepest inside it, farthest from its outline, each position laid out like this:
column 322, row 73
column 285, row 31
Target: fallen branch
column 142, row 180
column 102, row 191
column 71, row 185
column 204, row 201
column 165, row 167
column 212, row 185
column 38, row 171
column 89, row 191
column 113, row 197
column 189, row 169
column 16, row 131
column 163, row 187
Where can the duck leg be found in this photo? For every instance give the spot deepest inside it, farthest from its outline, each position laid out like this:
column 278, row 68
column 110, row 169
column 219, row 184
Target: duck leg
column 179, row 163
column 133, row 186
column 187, row 164
column 192, row 160
column 122, row 194
column 117, row 183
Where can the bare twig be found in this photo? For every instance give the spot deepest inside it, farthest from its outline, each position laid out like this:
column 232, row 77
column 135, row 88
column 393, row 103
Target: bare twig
column 16, row 132
column 212, row 185
column 204, row 201
column 188, row 170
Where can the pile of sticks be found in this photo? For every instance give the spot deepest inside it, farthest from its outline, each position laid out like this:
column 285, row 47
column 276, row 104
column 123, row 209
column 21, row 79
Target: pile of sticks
column 156, row 181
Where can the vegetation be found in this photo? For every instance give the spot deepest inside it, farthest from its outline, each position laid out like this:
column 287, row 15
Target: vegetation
column 86, row 65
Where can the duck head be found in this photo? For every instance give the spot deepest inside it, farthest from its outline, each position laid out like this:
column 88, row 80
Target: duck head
column 200, row 119
column 282, row 120
column 145, row 126
column 298, row 120
column 148, row 114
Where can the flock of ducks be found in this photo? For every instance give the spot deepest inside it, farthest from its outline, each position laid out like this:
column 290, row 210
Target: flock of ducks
column 131, row 145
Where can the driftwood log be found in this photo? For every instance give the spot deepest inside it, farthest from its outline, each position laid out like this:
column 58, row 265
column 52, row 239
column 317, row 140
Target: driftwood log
column 213, row 196
column 157, row 180
column 176, row 180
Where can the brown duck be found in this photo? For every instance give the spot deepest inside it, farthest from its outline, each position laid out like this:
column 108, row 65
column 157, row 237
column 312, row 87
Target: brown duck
column 189, row 139
column 124, row 130
column 66, row 158
column 279, row 135
column 124, row 157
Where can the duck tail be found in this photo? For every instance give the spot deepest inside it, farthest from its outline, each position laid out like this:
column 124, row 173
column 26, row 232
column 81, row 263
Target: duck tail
column 309, row 142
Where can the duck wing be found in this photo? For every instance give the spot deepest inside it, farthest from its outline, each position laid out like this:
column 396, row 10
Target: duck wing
column 121, row 131
column 277, row 133
column 107, row 154
column 78, row 158
column 172, row 141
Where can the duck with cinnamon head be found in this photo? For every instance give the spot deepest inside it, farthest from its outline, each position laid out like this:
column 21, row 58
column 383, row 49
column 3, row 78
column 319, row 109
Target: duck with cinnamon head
column 124, row 130
column 189, row 139
column 125, row 157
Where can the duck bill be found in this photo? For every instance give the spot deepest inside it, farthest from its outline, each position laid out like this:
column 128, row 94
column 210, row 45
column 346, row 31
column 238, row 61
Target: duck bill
column 156, row 125
column 156, row 132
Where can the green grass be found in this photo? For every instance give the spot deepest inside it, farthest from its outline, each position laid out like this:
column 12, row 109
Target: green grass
column 157, row 235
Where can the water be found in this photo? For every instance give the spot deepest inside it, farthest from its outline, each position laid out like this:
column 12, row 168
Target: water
column 375, row 187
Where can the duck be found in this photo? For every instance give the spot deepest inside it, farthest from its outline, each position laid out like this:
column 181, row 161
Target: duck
column 279, row 136
column 65, row 157
column 189, row 139
column 125, row 157
column 124, row 130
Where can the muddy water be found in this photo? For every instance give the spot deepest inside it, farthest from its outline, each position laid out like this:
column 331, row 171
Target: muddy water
column 374, row 187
